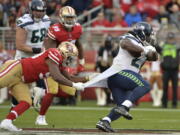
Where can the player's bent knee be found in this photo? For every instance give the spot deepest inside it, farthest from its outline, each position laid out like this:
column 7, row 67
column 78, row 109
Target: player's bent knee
column 29, row 101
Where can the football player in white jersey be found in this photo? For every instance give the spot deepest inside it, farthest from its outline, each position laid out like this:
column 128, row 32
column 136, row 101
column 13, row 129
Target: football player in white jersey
column 31, row 31
column 123, row 77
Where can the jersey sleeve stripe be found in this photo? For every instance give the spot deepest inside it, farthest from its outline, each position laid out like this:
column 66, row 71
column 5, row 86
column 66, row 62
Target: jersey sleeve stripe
column 25, row 24
column 53, row 59
column 54, row 56
column 51, row 35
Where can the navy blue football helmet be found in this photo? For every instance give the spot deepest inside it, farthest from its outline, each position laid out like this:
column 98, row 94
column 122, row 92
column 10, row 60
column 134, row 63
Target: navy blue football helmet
column 143, row 31
column 38, row 5
column 37, row 10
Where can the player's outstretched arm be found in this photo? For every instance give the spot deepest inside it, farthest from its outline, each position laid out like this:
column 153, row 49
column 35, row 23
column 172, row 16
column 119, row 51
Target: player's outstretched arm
column 60, row 78
column 75, row 78
column 56, row 74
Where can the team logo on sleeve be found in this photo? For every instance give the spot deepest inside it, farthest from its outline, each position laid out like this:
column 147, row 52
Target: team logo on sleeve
column 18, row 21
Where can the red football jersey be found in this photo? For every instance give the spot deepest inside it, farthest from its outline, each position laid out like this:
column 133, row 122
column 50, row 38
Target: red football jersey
column 59, row 33
column 35, row 68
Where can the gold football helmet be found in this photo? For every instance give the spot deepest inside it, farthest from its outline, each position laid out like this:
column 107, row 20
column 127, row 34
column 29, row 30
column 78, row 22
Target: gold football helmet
column 68, row 49
column 67, row 16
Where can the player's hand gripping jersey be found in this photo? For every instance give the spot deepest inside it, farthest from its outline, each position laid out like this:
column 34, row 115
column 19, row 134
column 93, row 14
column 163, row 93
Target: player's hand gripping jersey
column 59, row 33
column 35, row 68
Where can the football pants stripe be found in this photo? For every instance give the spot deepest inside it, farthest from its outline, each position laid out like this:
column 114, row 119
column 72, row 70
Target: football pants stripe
column 8, row 68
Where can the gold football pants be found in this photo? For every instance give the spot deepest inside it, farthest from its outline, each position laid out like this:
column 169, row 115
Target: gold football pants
column 53, row 87
column 11, row 76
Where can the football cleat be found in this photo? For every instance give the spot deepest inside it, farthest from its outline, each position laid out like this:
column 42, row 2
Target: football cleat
column 41, row 120
column 122, row 111
column 7, row 124
column 104, row 126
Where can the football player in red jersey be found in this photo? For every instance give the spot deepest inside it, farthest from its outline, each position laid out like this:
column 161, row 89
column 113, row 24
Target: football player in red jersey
column 66, row 30
column 16, row 74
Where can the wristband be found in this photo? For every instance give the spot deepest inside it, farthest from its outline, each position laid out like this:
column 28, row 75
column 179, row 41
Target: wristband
column 36, row 50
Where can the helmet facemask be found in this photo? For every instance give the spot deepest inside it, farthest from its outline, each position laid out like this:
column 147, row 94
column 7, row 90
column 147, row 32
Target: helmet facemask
column 37, row 10
column 143, row 31
column 38, row 15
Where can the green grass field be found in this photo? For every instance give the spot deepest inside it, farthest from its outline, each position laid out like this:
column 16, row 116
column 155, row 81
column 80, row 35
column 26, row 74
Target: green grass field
column 86, row 114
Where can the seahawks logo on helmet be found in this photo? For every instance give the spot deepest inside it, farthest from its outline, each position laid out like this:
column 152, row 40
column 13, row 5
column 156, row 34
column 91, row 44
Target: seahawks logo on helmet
column 143, row 30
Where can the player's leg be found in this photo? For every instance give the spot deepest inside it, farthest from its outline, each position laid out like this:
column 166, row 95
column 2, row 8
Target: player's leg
column 174, row 76
column 51, row 90
column 136, row 84
column 9, row 78
column 153, row 90
column 165, row 77
column 38, row 91
column 159, row 89
column 133, row 86
column 119, row 96
column 22, row 93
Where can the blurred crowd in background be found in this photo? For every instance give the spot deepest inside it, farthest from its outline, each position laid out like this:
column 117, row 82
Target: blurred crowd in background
column 121, row 13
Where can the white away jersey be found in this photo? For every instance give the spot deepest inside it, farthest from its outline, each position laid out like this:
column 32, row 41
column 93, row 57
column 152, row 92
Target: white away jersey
column 124, row 60
column 36, row 31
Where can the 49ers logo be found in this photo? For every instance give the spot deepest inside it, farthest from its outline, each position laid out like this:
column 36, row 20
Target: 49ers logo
column 69, row 48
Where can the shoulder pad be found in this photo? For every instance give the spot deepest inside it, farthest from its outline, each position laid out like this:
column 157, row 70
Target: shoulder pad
column 46, row 19
column 24, row 21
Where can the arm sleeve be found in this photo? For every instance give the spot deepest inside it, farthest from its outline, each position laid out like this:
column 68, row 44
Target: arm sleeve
column 51, row 33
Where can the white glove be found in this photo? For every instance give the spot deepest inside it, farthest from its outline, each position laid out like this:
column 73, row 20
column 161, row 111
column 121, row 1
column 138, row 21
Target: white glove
column 78, row 86
column 149, row 48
